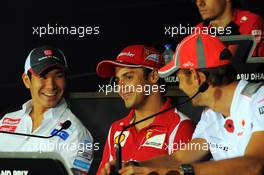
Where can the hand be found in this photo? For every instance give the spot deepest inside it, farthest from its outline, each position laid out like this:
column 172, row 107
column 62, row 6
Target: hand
column 136, row 170
column 108, row 167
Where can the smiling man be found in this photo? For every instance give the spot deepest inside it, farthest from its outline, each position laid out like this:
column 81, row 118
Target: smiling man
column 44, row 75
column 136, row 73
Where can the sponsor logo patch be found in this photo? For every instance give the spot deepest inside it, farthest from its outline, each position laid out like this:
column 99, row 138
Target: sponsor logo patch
column 62, row 134
column 129, row 54
column 149, row 133
column 86, row 150
column 256, row 32
column 48, row 52
column 155, row 141
column 242, row 123
column 85, row 155
column 214, row 146
column 153, row 57
column 188, row 64
column 11, row 121
column 260, row 101
column 123, row 138
column 81, row 164
column 261, row 110
column 8, row 128
column 243, row 19
column 240, row 133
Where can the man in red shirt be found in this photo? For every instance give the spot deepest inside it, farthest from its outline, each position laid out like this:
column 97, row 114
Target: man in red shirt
column 224, row 14
column 136, row 72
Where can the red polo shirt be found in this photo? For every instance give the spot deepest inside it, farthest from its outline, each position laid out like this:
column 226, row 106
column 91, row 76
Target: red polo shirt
column 162, row 136
column 245, row 23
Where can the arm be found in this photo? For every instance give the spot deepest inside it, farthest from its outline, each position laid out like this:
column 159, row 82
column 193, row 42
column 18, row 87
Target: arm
column 81, row 157
column 257, row 31
column 183, row 135
column 250, row 164
column 196, row 150
column 106, row 155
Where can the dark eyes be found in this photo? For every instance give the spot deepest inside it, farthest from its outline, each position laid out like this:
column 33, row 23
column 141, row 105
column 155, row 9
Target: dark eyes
column 117, row 80
column 57, row 75
column 126, row 77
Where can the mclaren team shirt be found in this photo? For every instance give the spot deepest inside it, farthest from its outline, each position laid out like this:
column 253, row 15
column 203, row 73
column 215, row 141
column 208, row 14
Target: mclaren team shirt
column 228, row 137
column 73, row 144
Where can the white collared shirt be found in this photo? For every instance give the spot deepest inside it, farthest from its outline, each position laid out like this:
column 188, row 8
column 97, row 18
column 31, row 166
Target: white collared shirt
column 73, row 144
column 246, row 117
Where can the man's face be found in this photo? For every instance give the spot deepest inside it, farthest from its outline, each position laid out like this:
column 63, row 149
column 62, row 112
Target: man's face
column 188, row 86
column 211, row 9
column 47, row 90
column 129, row 80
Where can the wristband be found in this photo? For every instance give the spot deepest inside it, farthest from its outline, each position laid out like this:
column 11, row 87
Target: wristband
column 186, row 169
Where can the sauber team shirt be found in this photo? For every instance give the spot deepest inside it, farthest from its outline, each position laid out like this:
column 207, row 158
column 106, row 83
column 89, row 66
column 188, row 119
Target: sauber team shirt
column 74, row 144
column 244, row 23
column 229, row 137
column 164, row 135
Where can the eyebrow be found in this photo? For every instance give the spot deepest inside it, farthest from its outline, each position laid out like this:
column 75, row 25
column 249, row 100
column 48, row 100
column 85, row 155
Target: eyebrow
column 125, row 74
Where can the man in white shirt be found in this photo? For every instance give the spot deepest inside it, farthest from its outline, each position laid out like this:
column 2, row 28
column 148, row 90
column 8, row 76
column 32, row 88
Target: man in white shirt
column 44, row 114
column 231, row 129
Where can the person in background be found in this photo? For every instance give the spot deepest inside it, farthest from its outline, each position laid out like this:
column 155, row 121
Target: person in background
column 225, row 14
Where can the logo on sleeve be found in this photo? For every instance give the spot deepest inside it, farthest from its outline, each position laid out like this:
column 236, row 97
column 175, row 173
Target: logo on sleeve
column 85, row 150
column 62, row 134
column 261, row 110
column 8, row 128
column 11, row 121
column 81, row 164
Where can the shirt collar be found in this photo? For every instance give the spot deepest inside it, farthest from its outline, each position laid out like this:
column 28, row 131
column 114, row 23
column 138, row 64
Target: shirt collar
column 55, row 112
column 159, row 120
column 163, row 118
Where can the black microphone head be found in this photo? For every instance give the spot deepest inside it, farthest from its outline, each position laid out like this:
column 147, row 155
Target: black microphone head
column 66, row 124
column 203, row 87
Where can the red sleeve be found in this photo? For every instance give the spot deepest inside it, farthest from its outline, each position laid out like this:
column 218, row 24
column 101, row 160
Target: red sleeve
column 258, row 32
column 184, row 133
column 107, row 152
column 253, row 26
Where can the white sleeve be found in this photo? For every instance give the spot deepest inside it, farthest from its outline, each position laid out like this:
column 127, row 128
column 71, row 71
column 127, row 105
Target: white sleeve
column 80, row 152
column 200, row 130
column 257, row 106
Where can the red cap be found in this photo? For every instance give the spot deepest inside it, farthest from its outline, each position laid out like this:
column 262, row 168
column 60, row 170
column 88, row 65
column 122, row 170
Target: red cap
column 131, row 56
column 197, row 51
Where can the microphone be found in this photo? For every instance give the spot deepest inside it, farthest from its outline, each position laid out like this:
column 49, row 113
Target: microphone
column 64, row 126
column 202, row 88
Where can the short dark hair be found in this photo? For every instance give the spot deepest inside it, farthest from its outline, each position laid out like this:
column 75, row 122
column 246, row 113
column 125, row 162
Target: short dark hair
column 218, row 76
column 29, row 75
column 161, row 81
column 45, row 72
